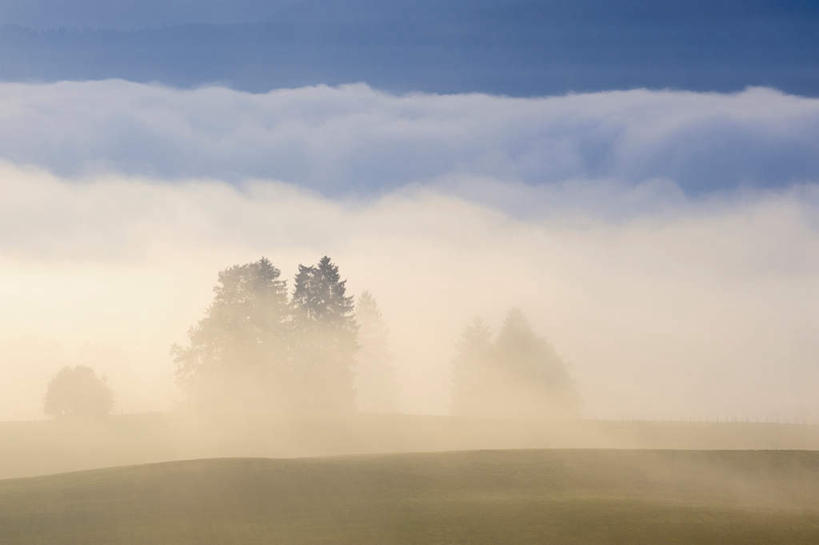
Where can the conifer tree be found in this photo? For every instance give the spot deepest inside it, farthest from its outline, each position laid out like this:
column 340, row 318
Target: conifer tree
column 325, row 331
column 518, row 375
column 376, row 387
column 537, row 380
column 473, row 365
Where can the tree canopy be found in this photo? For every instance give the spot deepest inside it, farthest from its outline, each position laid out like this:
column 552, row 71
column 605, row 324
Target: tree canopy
column 256, row 349
column 313, row 351
column 238, row 348
column 78, row 392
column 324, row 339
column 517, row 374
column 376, row 387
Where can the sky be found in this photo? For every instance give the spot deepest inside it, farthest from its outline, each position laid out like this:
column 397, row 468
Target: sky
column 639, row 178
column 512, row 47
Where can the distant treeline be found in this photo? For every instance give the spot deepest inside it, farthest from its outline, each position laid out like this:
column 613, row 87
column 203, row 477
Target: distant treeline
column 263, row 348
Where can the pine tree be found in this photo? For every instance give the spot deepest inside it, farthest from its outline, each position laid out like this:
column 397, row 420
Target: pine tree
column 472, row 367
column 376, row 387
column 320, row 295
column 324, row 339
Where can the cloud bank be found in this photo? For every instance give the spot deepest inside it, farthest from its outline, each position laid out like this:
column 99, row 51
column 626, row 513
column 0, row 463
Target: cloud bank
column 353, row 140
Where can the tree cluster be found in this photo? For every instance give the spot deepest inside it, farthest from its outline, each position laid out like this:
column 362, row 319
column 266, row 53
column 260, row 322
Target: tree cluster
column 312, row 351
column 516, row 374
column 259, row 349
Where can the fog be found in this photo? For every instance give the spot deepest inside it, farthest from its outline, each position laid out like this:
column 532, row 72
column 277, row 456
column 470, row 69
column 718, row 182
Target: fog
column 685, row 309
column 648, row 259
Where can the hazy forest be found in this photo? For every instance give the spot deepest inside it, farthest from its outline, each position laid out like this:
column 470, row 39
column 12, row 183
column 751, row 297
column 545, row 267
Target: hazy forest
column 315, row 351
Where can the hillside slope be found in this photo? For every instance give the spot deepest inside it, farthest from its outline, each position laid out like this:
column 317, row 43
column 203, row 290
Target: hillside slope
column 481, row 497
column 28, row 448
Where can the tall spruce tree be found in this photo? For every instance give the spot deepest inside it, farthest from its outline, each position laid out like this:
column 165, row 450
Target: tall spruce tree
column 376, row 387
column 472, row 369
column 325, row 331
column 237, row 355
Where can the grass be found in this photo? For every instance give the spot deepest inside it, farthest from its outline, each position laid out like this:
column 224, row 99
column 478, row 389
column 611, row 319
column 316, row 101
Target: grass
column 28, row 448
column 479, row 497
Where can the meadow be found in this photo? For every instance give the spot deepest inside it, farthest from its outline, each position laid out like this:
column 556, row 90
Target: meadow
column 477, row 497
column 44, row 447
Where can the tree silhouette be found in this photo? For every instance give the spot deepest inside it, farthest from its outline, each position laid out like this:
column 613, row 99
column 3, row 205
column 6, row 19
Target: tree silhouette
column 320, row 296
column 376, row 388
column 324, row 339
column 537, row 380
column 78, row 392
column 517, row 375
column 472, row 369
column 237, row 354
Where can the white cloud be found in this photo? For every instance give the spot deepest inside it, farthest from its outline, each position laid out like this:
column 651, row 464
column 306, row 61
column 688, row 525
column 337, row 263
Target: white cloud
column 355, row 140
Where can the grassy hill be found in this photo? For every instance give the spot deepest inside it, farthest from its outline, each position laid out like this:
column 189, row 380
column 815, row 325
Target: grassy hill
column 480, row 497
column 28, row 448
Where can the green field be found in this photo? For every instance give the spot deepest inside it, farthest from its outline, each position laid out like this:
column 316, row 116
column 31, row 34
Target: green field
column 479, row 497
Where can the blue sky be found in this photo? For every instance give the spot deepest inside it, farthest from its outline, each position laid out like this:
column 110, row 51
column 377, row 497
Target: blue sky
column 515, row 47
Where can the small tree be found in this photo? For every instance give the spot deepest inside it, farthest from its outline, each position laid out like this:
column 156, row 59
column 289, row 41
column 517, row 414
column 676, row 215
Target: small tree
column 517, row 375
column 536, row 379
column 78, row 392
column 376, row 388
